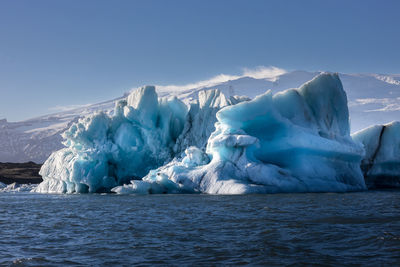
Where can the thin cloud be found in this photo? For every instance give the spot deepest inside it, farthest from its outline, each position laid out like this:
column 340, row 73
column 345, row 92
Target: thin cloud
column 387, row 79
column 262, row 72
column 201, row 84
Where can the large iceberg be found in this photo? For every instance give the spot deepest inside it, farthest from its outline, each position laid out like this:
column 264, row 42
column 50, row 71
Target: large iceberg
column 144, row 133
column 294, row 141
column 381, row 164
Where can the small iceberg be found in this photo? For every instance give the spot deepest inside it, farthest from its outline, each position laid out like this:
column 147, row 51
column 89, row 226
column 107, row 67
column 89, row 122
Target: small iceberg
column 15, row 187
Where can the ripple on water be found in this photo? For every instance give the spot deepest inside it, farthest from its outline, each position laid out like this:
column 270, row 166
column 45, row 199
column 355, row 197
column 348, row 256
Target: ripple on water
column 282, row 229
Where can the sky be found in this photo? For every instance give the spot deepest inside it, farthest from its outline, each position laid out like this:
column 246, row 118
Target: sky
column 57, row 54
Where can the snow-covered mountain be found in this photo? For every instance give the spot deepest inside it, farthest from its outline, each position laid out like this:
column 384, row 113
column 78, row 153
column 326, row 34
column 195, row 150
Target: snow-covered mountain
column 35, row 139
column 373, row 99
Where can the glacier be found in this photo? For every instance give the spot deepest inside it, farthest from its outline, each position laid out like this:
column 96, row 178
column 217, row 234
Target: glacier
column 381, row 163
column 297, row 140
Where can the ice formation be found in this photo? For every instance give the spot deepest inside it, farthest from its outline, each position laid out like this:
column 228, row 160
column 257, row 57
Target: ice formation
column 144, row 133
column 15, row 187
column 381, row 164
column 294, row 141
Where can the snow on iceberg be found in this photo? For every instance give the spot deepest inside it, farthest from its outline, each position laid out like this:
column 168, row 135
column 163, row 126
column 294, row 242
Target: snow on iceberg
column 144, row 133
column 381, row 164
column 294, row 141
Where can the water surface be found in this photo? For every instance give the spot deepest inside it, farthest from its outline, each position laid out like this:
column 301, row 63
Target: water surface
column 282, row 229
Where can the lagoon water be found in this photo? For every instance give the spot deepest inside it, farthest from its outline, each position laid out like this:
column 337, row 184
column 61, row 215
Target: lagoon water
column 331, row 229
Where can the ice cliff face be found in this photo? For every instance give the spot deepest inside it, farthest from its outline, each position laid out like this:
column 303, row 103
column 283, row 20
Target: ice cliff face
column 294, row 141
column 381, row 163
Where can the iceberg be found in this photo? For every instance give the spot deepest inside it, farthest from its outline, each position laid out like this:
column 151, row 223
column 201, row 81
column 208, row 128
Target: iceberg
column 143, row 133
column 294, row 141
column 15, row 187
column 201, row 118
column 381, row 163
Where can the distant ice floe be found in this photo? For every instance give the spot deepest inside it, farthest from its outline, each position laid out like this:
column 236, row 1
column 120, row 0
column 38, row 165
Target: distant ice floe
column 294, row 141
column 15, row 187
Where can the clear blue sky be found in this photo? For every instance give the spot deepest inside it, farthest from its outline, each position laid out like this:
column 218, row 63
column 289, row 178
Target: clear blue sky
column 55, row 53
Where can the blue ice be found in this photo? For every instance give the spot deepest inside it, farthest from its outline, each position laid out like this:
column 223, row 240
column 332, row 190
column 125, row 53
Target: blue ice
column 294, row 141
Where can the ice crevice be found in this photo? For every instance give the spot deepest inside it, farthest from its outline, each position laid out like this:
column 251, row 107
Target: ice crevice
column 294, row 141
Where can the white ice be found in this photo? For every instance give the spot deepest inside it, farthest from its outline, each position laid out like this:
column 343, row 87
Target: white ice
column 14, row 187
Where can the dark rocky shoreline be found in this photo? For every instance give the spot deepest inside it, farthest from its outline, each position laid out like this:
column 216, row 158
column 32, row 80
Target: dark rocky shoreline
column 21, row 173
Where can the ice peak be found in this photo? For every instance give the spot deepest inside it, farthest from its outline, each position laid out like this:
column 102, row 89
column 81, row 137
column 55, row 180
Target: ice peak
column 327, row 101
column 143, row 96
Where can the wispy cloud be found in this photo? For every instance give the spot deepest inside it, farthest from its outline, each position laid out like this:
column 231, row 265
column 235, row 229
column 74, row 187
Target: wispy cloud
column 390, row 107
column 206, row 83
column 261, row 72
column 388, row 79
